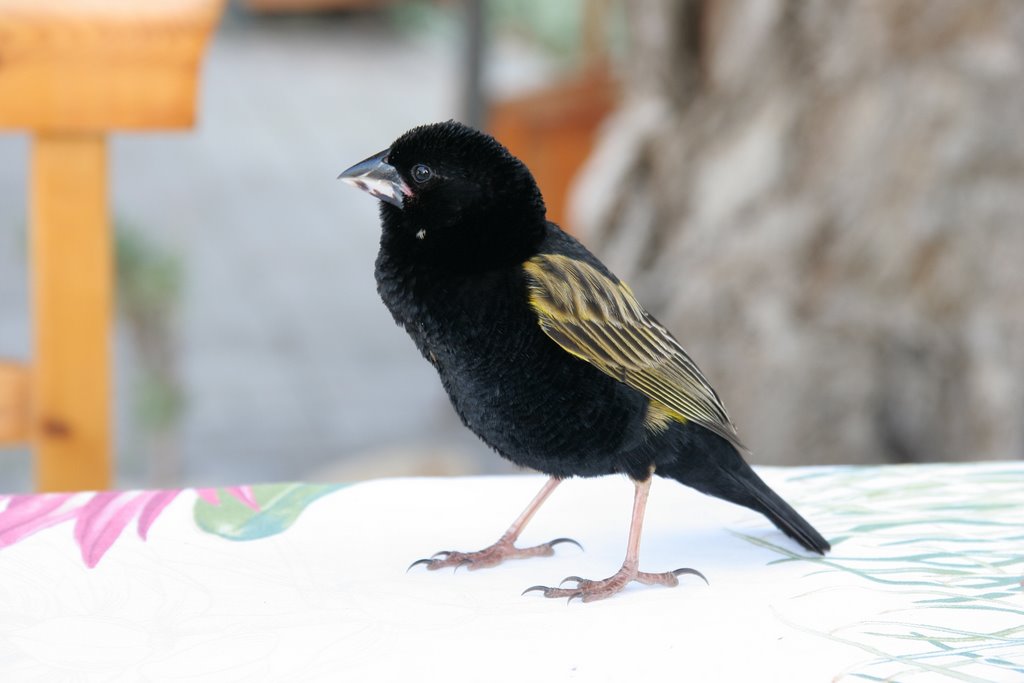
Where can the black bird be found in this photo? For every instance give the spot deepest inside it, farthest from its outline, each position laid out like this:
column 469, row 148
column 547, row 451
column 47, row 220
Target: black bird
column 545, row 354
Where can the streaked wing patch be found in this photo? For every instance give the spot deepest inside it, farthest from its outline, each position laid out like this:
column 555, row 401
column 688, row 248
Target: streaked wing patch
column 600, row 321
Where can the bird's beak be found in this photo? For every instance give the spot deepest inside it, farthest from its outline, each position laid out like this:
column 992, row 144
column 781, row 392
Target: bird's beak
column 379, row 178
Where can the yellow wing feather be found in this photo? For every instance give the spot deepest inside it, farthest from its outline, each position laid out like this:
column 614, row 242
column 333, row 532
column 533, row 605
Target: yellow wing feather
column 600, row 321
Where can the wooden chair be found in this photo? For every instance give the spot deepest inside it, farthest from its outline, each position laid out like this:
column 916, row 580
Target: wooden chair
column 70, row 73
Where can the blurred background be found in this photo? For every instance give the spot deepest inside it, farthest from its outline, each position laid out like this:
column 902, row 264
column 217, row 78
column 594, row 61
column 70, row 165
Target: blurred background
column 823, row 200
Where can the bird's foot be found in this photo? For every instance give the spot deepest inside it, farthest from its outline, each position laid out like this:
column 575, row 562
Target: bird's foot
column 490, row 556
column 589, row 591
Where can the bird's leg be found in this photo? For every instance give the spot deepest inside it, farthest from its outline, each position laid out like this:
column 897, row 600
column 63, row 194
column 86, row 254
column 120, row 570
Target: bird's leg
column 588, row 590
column 504, row 548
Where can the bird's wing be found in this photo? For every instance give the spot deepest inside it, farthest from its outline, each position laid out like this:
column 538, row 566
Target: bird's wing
column 597, row 319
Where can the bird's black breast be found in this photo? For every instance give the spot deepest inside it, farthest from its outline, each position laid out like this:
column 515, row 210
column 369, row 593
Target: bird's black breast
column 516, row 389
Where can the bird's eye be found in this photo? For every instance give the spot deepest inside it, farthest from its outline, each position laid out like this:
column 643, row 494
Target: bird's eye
column 421, row 173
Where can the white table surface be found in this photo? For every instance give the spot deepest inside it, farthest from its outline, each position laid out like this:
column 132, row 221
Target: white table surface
column 302, row 583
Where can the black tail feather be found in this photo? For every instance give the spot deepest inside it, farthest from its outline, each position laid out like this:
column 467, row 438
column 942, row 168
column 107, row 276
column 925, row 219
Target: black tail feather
column 723, row 473
column 781, row 513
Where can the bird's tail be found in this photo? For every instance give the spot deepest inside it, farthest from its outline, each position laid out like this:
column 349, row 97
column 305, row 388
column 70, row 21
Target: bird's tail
column 732, row 479
column 781, row 513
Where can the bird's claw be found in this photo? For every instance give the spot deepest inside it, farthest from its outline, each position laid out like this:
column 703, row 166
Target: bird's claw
column 425, row 560
column 692, row 572
column 556, row 592
column 588, row 590
column 435, row 561
column 490, row 556
column 552, row 544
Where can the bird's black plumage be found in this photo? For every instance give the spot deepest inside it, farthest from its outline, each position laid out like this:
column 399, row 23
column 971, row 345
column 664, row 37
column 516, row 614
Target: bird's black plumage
column 545, row 354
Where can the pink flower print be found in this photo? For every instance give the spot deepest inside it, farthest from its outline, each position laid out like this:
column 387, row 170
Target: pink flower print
column 99, row 517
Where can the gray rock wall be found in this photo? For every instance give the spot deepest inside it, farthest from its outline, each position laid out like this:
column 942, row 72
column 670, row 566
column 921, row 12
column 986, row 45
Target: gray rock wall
column 825, row 202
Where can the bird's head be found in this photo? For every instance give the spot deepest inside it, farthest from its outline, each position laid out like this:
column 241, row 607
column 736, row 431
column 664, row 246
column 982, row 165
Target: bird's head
column 452, row 193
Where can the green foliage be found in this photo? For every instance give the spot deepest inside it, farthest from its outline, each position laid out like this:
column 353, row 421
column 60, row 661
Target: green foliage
column 556, row 27
column 149, row 278
column 149, row 288
column 160, row 402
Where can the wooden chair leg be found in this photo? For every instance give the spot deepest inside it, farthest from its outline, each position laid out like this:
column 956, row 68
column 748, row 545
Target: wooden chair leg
column 72, row 292
column 14, row 393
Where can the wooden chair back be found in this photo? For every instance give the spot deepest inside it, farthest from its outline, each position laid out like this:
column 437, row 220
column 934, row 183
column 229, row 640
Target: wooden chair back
column 71, row 73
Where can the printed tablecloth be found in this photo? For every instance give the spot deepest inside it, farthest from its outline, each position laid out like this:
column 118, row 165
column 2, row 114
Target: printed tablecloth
column 297, row 582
